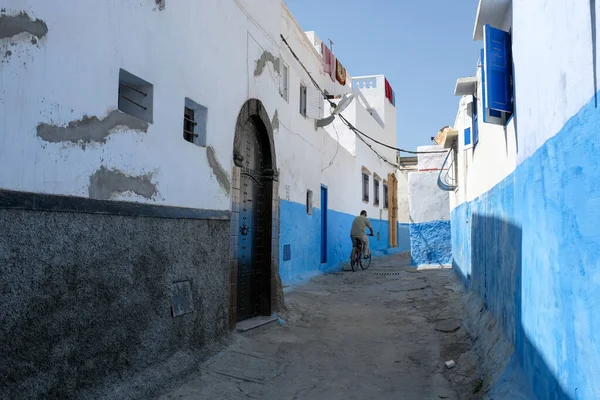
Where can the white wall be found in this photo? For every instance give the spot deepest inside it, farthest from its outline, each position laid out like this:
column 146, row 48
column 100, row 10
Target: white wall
column 427, row 202
column 429, row 159
column 403, row 197
column 73, row 72
column 301, row 145
column 66, row 76
column 551, row 85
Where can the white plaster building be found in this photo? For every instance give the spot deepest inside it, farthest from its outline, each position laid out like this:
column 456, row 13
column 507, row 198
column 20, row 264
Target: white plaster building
column 159, row 182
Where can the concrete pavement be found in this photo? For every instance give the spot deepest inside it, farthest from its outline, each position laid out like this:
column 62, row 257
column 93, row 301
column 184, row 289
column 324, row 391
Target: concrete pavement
column 384, row 333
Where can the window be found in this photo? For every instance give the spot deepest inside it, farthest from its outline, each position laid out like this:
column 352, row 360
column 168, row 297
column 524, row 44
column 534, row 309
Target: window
column 467, row 138
column 194, row 122
column 135, row 96
column 385, row 196
column 283, row 86
column 376, row 192
column 365, row 187
column 309, row 202
column 188, row 124
column 475, row 122
column 303, row 100
column 496, row 76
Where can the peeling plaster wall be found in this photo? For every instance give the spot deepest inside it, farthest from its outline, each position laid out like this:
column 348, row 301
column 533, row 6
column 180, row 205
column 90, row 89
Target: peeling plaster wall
column 58, row 95
column 13, row 25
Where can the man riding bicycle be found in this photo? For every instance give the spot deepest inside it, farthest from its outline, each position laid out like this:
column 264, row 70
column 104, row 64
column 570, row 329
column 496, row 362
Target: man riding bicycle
column 358, row 234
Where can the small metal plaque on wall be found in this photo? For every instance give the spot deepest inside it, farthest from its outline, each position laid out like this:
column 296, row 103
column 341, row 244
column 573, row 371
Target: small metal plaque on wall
column 181, row 298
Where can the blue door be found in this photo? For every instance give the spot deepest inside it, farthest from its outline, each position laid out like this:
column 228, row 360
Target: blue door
column 323, row 224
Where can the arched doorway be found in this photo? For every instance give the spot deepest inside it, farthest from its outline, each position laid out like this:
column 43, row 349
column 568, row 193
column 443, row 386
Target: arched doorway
column 255, row 217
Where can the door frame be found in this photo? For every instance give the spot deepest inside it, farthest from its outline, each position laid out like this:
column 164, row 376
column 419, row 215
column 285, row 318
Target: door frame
column 254, row 110
column 324, row 216
column 393, row 210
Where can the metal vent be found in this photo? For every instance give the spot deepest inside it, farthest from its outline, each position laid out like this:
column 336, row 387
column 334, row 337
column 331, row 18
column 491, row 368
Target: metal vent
column 287, row 252
column 181, row 298
column 386, row 273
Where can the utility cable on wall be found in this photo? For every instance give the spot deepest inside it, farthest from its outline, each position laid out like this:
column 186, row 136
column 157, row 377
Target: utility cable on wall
column 337, row 147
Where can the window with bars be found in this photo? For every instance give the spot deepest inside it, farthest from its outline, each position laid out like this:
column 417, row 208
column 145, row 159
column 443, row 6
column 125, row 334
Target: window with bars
column 303, row 100
column 365, row 187
column 376, row 192
column 189, row 124
column 135, row 96
column 194, row 122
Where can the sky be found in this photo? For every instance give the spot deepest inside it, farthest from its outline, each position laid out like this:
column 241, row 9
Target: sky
column 422, row 47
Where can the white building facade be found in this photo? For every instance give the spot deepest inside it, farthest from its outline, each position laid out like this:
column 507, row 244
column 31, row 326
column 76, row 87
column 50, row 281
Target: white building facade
column 429, row 217
column 160, row 182
column 523, row 213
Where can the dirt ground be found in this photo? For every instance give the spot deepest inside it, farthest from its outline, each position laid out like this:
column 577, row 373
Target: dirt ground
column 384, row 333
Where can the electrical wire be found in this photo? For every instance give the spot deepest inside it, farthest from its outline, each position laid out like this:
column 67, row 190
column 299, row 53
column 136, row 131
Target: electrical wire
column 356, row 131
column 337, row 148
column 297, row 134
column 443, row 183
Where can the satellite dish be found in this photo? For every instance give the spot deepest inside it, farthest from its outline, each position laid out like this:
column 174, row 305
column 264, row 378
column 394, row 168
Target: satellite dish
column 325, row 121
column 341, row 106
column 344, row 103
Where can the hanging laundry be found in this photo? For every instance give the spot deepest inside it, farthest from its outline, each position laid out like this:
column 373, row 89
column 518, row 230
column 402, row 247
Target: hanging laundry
column 389, row 93
column 328, row 61
column 340, row 73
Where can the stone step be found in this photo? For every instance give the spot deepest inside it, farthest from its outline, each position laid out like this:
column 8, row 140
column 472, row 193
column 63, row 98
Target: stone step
column 253, row 323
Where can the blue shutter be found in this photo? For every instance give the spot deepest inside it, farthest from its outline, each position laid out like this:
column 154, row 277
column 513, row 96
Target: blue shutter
column 497, row 66
column 475, row 122
column 467, row 137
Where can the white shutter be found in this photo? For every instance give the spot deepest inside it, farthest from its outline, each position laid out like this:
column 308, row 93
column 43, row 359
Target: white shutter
column 314, row 102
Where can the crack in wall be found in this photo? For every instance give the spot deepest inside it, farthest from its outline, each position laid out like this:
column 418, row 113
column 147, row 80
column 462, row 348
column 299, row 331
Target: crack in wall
column 89, row 129
column 106, row 183
column 217, row 170
column 12, row 25
column 263, row 60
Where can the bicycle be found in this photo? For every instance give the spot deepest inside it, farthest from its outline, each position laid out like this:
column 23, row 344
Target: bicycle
column 357, row 259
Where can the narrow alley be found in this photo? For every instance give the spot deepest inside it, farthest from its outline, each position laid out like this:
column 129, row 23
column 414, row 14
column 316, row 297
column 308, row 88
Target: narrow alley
column 182, row 183
column 384, row 333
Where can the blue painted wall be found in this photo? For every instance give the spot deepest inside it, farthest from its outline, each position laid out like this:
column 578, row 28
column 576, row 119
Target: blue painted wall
column 303, row 233
column 530, row 247
column 430, row 243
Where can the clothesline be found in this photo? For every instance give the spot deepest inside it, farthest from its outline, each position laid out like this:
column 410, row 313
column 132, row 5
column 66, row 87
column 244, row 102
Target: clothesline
column 337, row 72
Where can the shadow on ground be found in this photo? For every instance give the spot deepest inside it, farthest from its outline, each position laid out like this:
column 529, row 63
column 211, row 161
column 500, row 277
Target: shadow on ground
column 384, row 333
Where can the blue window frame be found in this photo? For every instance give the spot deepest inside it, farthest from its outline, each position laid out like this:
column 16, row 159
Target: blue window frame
column 467, row 137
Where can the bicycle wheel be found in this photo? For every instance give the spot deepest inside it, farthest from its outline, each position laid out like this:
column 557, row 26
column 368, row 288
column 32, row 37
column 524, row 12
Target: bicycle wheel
column 365, row 264
column 354, row 261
